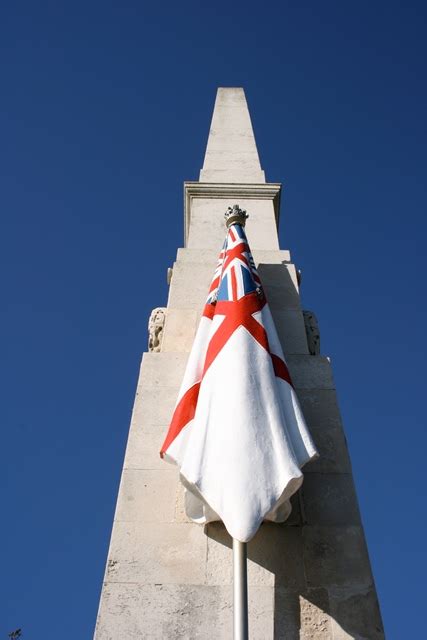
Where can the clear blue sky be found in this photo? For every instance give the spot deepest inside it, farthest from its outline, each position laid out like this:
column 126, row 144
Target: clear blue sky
column 104, row 111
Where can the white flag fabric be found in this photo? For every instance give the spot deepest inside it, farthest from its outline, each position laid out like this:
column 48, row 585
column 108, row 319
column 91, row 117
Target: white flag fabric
column 237, row 433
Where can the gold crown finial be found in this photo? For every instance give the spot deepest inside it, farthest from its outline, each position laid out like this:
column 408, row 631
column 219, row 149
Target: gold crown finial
column 235, row 215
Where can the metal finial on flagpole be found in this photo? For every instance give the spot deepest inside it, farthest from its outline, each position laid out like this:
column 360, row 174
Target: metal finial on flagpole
column 235, row 215
column 240, row 590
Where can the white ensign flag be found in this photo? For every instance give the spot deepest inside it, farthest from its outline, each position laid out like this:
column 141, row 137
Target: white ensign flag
column 237, row 433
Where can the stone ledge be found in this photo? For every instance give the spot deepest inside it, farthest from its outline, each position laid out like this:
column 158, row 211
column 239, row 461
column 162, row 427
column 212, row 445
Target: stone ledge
column 225, row 191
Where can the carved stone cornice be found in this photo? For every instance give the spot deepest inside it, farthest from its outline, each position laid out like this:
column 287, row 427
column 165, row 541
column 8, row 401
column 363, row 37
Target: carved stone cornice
column 229, row 191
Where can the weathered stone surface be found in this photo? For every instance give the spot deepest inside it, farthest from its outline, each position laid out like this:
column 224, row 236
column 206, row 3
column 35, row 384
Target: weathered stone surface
column 219, row 566
column 154, row 405
column 274, row 555
column 165, row 553
column 355, row 614
column 290, row 329
column 335, row 556
column 180, row 329
column 166, row 577
column 330, row 499
column 295, row 519
column 180, row 515
column 142, row 451
column 278, row 275
column 189, row 285
column 280, row 284
column 287, row 615
column 323, row 418
column 147, row 496
column 162, row 369
column 315, row 621
column 301, row 615
column 231, row 153
column 310, row 372
column 265, row 256
column 210, row 256
column 207, row 227
column 185, row 612
column 191, row 281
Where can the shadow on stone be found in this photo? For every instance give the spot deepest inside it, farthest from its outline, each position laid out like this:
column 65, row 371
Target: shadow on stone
column 279, row 282
column 317, row 604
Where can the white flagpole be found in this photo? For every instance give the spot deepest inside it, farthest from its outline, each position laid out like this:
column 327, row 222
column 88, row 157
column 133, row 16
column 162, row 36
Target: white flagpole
column 240, row 590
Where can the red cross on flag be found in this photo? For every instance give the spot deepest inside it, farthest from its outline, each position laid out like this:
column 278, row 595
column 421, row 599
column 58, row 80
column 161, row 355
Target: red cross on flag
column 237, row 433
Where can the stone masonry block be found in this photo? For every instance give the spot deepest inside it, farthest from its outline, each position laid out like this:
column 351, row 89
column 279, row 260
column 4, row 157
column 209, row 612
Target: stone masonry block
column 274, row 554
column 336, row 556
column 180, row 328
column 168, row 578
column 265, row 256
column 162, row 370
column 301, row 615
column 280, row 285
column 157, row 553
column 219, row 568
column 180, row 515
column 191, row 281
column 315, row 623
column 182, row 612
column 147, row 496
column 275, row 274
column 154, row 406
column 310, row 372
column 207, row 228
column 189, row 286
column 321, row 412
column 330, row 499
column 355, row 614
column 291, row 331
column 142, row 451
column 199, row 256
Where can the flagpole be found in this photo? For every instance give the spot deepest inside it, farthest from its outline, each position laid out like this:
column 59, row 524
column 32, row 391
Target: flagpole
column 240, row 590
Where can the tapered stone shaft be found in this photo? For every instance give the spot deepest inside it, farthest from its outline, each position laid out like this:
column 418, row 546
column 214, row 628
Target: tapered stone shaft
column 167, row 577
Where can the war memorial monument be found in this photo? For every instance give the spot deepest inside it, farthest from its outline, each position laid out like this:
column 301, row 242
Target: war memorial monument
column 167, row 577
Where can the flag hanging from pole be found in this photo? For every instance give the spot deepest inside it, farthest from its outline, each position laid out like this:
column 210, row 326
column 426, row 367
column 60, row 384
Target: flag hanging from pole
column 237, row 433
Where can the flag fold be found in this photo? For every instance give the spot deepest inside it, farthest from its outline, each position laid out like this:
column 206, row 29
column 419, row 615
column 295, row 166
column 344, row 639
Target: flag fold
column 237, row 433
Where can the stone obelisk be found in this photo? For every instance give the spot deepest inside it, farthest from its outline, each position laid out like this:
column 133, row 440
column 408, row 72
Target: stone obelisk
column 167, row 577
